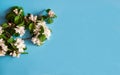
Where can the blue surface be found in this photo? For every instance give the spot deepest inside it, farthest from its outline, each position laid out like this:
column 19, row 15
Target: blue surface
column 85, row 39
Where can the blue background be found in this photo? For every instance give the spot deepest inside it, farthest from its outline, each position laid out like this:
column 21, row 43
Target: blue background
column 85, row 39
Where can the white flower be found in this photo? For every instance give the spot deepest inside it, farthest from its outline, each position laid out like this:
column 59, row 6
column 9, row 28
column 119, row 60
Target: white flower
column 51, row 13
column 2, row 53
column 37, row 29
column 20, row 30
column 32, row 18
column 41, row 23
column 38, row 26
column 1, row 41
column 2, row 45
column 47, row 32
column 9, row 24
column 20, row 44
column 1, row 31
column 15, row 11
column 15, row 54
column 36, row 40
column 3, row 48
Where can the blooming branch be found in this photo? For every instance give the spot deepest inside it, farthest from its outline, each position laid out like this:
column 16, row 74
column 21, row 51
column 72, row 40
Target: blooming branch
column 17, row 23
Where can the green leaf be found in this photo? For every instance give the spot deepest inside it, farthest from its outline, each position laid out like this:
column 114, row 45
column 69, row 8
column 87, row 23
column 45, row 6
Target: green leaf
column 16, row 20
column 3, row 36
column 55, row 16
column 13, row 46
column 48, row 10
column 16, row 34
column 31, row 26
column 22, row 14
column 43, row 17
column 25, row 48
column 11, row 40
column 11, row 31
column 24, row 53
column 41, row 29
column 10, row 17
column 4, row 25
column 42, row 38
column 49, row 20
column 21, row 24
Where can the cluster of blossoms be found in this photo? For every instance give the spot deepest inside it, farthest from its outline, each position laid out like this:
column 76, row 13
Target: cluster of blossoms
column 20, row 46
column 16, row 25
column 32, row 18
column 39, row 31
column 3, row 48
column 17, row 11
column 51, row 13
column 20, row 30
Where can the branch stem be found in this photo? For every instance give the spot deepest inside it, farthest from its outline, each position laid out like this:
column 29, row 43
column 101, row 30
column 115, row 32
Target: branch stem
column 28, row 38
